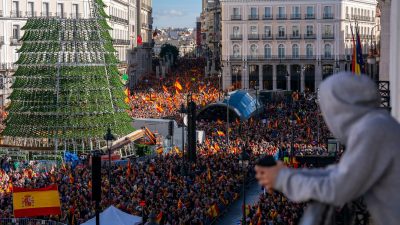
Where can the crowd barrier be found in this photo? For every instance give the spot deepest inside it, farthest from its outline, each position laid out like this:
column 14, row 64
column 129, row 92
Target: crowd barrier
column 27, row 221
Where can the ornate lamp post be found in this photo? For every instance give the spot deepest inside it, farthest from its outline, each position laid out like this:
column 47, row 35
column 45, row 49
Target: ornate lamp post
column 244, row 159
column 109, row 137
column 183, row 112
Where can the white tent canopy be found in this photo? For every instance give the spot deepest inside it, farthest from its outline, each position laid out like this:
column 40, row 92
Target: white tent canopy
column 114, row 216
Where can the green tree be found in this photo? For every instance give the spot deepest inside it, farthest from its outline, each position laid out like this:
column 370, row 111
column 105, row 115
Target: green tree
column 67, row 90
column 167, row 49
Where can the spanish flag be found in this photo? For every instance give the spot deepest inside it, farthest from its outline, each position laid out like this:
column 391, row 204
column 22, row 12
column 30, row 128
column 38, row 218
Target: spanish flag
column 29, row 202
column 220, row 133
column 178, row 86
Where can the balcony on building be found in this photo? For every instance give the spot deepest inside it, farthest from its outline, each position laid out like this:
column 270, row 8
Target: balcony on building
column 327, row 57
column 236, row 37
column 253, row 17
column 309, row 16
column 16, row 14
column 119, row 20
column 267, row 37
column 61, row 15
column 76, row 15
column 46, row 14
column 296, row 16
column 254, row 57
column 348, row 36
column 235, row 57
column 310, row 36
column 14, row 41
column 31, row 14
column 236, row 17
column 328, row 36
column 253, row 37
column 327, row 16
column 146, row 7
column 281, row 37
column 267, row 17
column 295, row 36
column 281, row 16
column 121, row 42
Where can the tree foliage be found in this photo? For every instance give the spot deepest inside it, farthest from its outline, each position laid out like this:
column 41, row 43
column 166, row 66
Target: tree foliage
column 167, row 49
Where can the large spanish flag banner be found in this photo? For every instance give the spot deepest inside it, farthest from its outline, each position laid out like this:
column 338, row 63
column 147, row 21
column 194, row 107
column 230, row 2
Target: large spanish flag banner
column 36, row 202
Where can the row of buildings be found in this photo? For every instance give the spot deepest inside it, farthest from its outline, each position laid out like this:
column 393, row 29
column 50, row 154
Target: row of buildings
column 288, row 45
column 130, row 19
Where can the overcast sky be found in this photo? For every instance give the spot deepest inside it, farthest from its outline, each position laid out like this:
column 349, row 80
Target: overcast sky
column 176, row 13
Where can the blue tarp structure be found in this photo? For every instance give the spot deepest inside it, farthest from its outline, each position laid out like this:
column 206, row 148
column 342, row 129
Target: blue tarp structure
column 114, row 216
column 242, row 105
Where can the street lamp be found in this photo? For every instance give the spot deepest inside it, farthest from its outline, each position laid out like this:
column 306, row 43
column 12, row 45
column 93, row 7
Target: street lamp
column 227, row 97
column 109, row 137
column 244, row 159
column 183, row 112
column 219, row 79
column 337, row 67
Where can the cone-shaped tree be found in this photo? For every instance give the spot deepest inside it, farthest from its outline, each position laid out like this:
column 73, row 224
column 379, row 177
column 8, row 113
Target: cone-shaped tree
column 67, row 89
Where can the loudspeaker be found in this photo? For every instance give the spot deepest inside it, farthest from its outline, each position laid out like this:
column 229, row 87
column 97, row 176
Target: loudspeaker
column 96, row 178
column 192, row 139
column 171, row 128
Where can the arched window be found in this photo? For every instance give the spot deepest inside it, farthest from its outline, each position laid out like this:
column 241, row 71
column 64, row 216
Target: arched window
column 253, row 49
column 236, row 51
column 267, row 51
column 309, row 51
column 236, row 31
column 328, row 51
column 295, row 51
column 281, row 51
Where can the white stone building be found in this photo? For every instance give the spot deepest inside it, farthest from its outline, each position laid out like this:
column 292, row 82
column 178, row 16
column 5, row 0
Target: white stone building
column 290, row 45
column 14, row 14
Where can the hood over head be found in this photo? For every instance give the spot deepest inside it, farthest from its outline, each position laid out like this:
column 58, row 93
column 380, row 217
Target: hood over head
column 344, row 98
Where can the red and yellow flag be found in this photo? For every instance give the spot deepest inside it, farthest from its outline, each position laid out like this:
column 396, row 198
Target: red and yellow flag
column 29, row 202
column 220, row 133
column 178, row 86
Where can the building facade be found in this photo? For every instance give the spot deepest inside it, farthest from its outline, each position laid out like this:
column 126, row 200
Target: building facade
column 14, row 14
column 290, row 45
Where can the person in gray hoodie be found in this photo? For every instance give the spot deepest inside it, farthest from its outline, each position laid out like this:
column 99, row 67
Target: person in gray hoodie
column 370, row 166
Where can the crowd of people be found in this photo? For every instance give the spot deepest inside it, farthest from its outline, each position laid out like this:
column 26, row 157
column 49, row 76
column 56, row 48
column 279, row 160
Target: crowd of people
column 184, row 193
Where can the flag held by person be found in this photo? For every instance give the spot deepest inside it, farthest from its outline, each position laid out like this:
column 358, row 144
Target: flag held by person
column 221, row 134
column 29, row 202
column 178, row 86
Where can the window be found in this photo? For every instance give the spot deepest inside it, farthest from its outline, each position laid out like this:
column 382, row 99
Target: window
column 309, row 51
column 295, row 51
column 45, row 10
column 281, row 51
column 328, row 51
column 253, row 11
column 253, row 49
column 75, row 11
column 267, row 51
column 295, row 31
column 328, row 30
column 236, row 12
column 281, row 12
column 236, row 31
column 281, row 31
column 296, row 11
column 236, row 51
column 310, row 11
column 30, row 10
column 60, row 10
column 267, row 31
column 310, row 30
column 328, row 12
column 15, row 9
column 253, row 30
column 267, row 12
column 16, row 32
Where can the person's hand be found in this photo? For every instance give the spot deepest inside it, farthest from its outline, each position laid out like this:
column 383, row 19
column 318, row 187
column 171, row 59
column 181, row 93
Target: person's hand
column 266, row 176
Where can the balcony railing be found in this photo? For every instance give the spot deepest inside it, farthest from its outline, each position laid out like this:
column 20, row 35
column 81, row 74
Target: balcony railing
column 310, row 36
column 327, row 57
column 295, row 36
column 281, row 16
column 281, row 37
column 6, row 66
column 31, row 14
column 118, row 19
column 253, row 17
column 363, row 18
column 309, row 16
column 16, row 14
column 46, row 14
column 14, row 41
column 121, row 42
column 236, row 17
column 267, row 37
column 295, row 16
column 278, row 57
column 267, row 17
column 327, row 16
column 328, row 36
column 253, row 37
column 236, row 37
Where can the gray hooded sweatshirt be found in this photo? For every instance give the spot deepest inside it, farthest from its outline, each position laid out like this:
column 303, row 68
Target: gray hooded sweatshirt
column 370, row 166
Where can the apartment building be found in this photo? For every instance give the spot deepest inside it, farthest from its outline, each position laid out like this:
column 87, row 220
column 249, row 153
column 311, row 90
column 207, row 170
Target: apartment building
column 290, row 45
column 14, row 14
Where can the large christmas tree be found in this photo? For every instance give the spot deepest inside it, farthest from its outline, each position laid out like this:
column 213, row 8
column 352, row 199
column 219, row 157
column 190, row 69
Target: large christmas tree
column 67, row 89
